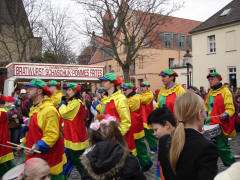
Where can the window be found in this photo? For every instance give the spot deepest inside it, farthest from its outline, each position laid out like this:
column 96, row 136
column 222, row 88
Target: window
column 140, row 81
column 168, row 40
column 211, row 44
column 140, row 65
column 181, row 41
column 226, row 12
column 230, row 41
column 232, row 74
column 171, row 62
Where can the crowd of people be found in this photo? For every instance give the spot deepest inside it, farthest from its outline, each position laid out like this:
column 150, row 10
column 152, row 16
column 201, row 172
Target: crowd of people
column 114, row 133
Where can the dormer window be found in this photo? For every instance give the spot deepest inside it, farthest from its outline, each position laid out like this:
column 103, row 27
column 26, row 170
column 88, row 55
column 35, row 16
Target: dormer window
column 225, row 12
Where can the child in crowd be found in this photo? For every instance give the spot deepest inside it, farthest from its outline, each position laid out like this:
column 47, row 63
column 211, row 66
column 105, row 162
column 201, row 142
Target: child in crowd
column 163, row 124
column 109, row 156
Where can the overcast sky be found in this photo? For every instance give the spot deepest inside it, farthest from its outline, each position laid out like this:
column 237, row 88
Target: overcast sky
column 193, row 9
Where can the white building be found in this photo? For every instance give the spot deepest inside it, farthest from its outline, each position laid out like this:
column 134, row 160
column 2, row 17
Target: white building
column 216, row 45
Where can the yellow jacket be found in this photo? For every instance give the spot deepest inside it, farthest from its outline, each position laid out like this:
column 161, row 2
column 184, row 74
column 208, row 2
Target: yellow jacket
column 75, row 131
column 227, row 98
column 122, row 109
column 134, row 102
column 48, row 120
column 147, row 97
column 57, row 97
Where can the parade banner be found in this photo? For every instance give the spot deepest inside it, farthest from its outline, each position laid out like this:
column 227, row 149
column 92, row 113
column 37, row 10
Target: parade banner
column 54, row 71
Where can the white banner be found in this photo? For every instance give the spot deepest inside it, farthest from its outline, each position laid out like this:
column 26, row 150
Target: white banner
column 54, row 71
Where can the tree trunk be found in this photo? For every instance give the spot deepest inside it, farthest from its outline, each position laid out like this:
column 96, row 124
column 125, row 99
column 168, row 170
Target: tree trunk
column 126, row 73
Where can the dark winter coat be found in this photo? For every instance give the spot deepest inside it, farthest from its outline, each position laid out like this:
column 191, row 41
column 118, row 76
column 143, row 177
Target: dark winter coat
column 163, row 157
column 198, row 160
column 108, row 161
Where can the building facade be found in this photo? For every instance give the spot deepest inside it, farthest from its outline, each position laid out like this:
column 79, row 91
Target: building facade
column 216, row 45
column 173, row 39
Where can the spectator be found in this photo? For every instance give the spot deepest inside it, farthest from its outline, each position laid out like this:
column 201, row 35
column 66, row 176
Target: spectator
column 163, row 124
column 191, row 155
column 109, row 157
column 33, row 169
column 203, row 92
column 36, row 169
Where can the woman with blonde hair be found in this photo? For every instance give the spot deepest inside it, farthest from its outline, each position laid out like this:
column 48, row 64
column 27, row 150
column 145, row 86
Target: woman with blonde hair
column 192, row 156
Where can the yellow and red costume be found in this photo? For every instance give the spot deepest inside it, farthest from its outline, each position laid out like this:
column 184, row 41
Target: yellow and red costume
column 137, row 128
column 75, row 131
column 147, row 108
column 45, row 132
column 6, row 154
column 220, row 107
column 117, row 106
column 218, row 102
column 167, row 96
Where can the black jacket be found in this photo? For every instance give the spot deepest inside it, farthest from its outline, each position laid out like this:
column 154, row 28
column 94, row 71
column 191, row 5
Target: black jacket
column 163, row 157
column 108, row 161
column 198, row 160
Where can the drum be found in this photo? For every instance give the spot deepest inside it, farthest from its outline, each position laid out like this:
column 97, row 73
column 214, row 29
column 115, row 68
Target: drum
column 211, row 131
column 14, row 173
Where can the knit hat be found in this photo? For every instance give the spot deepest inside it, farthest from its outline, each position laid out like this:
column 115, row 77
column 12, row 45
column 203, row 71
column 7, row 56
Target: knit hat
column 145, row 84
column 52, row 83
column 214, row 73
column 168, row 72
column 108, row 77
column 128, row 86
column 38, row 83
column 74, row 86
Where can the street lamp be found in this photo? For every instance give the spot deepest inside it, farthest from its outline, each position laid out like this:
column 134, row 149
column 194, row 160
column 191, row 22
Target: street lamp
column 187, row 58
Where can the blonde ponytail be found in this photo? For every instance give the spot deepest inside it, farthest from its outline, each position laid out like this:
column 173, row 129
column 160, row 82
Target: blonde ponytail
column 178, row 141
column 186, row 110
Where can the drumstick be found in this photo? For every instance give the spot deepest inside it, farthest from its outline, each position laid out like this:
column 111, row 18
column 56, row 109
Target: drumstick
column 23, row 147
column 12, row 147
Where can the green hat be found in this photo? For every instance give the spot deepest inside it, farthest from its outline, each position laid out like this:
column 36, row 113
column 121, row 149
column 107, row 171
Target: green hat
column 127, row 86
column 52, row 83
column 38, row 83
column 168, row 72
column 214, row 73
column 145, row 84
column 108, row 77
column 72, row 85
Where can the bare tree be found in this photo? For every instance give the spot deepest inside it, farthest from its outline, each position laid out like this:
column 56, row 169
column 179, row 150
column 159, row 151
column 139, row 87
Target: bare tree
column 55, row 27
column 126, row 26
column 17, row 41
